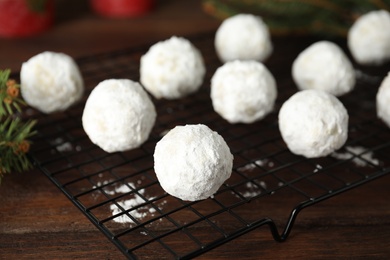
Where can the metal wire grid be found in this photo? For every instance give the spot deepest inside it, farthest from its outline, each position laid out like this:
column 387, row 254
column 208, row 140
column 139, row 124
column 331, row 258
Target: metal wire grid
column 265, row 172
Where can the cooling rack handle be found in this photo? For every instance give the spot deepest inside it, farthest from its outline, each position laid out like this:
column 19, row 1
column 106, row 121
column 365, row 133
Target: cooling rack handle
column 250, row 227
column 290, row 223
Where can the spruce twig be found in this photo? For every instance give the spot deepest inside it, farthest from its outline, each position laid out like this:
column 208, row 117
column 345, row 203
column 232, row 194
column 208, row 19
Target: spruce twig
column 320, row 17
column 37, row 6
column 14, row 133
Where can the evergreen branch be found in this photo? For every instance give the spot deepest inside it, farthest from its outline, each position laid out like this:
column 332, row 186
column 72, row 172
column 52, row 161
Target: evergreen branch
column 326, row 18
column 9, row 95
column 37, row 6
column 14, row 133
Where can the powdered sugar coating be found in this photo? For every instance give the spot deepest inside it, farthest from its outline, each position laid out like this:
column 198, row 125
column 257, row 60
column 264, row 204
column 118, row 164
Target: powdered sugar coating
column 369, row 38
column 51, row 82
column 313, row 123
column 243, row 37
column 243, row 91
column 383, row 100
column 172, row 69
column 324, row 66
column 192, row 161
column 118, row 115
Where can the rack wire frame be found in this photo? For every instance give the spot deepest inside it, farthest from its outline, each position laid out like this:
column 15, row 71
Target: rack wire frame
column 119, row 192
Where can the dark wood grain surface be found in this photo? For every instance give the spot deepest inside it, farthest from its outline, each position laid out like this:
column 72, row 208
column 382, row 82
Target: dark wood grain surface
column 38, row 222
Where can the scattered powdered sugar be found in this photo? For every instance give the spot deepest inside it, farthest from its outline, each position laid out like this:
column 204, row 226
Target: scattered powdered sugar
column 318, row 167
column 135, row 202
column 65, row 147
column 253, row 165
column 253, row 189
column 123, row 189
column 62, row 146
column 103, row 183
column 362, row 152
column 138, row 213
column 57, row 141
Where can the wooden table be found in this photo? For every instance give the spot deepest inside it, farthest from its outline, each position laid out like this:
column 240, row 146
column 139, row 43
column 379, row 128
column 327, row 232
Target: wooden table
column 38, row 222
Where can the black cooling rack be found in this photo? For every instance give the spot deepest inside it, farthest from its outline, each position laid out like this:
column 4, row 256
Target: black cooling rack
column 120, row 194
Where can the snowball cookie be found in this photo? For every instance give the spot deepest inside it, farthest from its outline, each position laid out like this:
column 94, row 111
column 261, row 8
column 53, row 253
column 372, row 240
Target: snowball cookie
column 323, row 65
column 313, row 123
column 243, row 91
column 243, row 37
column 192, row 161
column 369, row 38
column 51, row 82
column 383, row 100
column 172, row 69
column 118, row 115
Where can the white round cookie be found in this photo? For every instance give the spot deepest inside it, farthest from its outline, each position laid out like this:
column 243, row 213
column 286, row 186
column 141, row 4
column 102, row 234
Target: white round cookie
column 369, row 38
column 383, row 100
column 243, row 91
column 243, row 37
column 172, row 69
column 313, row 123
column 324, row 66
column 118, row 115
column 192, row 161
column 51, row 82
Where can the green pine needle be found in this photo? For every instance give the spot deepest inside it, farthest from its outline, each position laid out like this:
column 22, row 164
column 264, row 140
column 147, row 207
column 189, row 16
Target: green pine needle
column 37, row 6
column 320, row 17
column 14, row 133
column 9, row 95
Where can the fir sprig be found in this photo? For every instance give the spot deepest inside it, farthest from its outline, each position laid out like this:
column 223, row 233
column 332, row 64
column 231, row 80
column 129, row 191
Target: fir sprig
column 37, row 6
column 14, row 133
column 9, row 95
column 320, row 17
